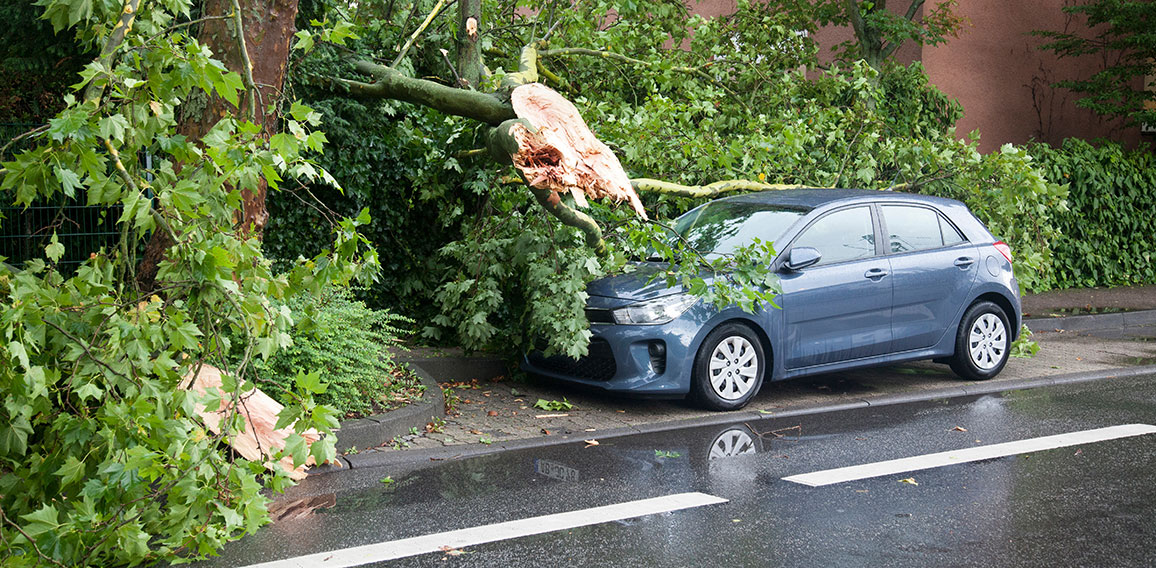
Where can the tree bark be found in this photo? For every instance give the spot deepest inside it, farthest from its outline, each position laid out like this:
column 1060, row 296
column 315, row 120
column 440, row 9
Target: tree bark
column 392, row 84
column 260, row 55
column 469, row 50
column 712, row 190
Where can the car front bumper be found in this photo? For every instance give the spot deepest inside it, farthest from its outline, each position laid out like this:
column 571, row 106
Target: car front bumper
column 641, row 360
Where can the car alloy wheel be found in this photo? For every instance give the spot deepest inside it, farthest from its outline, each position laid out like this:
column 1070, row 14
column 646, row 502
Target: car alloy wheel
column 729, row 368
column 983, row 342
column 734, row 368
column 987, row 342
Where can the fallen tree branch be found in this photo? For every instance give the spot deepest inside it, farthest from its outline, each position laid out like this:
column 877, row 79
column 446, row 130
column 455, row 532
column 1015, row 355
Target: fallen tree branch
column 527, row 69
column 392, row 84
column 126, row 177
column 551, row 201
column 14, row 140
column 710, row 190
column 93, row 92
column 552, row 77
column 417, row 33
column 246, row 62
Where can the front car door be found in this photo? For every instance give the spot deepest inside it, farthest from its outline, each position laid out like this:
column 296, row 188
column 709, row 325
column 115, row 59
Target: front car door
column 840, row 308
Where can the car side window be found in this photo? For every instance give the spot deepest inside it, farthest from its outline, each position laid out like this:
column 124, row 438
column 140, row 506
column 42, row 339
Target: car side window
column 951, row 235
column 843, row 235
column 917, row 228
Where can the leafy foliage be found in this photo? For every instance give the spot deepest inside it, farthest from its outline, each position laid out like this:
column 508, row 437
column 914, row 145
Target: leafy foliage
column 517, row 277
column 879, row 31
column 1121, row 32
column 1106, row 234
column 554, row 405
column 396, row 161
column 102, row 458
column 732, row 105
column 346, row 344
column 1023, row 347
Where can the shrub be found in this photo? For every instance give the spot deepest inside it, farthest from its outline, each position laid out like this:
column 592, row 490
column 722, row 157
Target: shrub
column 1111, row 218
column 347, row 343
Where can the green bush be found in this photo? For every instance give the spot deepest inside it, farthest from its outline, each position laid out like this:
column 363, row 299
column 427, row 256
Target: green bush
column 347, row 343
column 1107, row 231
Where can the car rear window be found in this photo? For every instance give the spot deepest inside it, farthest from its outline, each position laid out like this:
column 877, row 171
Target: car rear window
column 917, row 228
column 721, row 227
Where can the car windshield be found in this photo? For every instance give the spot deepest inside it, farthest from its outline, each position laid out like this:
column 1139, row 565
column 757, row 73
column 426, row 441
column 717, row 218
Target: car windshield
column 721, row 227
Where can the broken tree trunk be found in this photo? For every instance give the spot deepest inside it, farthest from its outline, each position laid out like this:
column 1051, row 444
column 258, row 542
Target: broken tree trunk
column 260, row 439
column 561, row 154
column 536, row 129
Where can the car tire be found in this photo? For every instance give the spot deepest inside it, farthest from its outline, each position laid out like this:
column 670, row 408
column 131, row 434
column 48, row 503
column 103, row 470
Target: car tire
column 983, row 342
column 729, row 368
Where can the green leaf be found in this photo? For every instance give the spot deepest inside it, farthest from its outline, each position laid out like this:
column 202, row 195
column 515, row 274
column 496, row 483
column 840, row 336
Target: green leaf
column 17, row 352
column 87, row 391
column 310, row 382
column 133, row 540
column 304, row 41
column 295, row 446
column 41, row 521
column 14, row 436
column 112, row 127
column 228, row 85
column 323, row 451
column 69, row 180
column 71, row 472
column 300, row 112
column 54, row 250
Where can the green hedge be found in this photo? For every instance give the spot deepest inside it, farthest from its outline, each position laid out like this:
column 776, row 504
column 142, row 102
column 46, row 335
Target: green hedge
column 1108, row 232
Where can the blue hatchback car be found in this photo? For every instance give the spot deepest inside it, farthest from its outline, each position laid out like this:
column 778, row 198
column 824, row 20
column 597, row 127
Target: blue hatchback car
column 867, row 278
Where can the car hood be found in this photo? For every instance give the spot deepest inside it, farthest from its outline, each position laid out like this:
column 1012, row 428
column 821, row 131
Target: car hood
column 633, row 285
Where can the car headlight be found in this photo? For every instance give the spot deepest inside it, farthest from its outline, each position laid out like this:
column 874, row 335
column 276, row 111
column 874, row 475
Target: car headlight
column 654, row 312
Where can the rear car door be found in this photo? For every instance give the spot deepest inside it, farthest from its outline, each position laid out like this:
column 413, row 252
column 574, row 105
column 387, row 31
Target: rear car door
column 840, row 308
column 933, row 269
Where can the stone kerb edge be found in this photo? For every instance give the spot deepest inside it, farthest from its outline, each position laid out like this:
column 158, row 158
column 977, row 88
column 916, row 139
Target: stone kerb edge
column 373, row 431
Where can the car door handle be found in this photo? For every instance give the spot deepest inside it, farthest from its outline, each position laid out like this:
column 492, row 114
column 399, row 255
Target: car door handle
column 875, row 273
column 964, row 261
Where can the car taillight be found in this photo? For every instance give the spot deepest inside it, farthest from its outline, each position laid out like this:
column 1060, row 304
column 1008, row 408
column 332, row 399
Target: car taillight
column 1003, row 249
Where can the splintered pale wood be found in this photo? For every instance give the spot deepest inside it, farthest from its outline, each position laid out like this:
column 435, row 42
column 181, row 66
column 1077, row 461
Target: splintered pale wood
column 260, row 439
column 561, row 154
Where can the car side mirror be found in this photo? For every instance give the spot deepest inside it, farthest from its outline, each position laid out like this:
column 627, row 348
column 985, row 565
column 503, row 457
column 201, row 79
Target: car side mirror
column 802, row 257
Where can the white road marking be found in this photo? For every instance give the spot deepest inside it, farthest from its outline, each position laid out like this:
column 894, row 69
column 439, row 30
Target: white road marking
column 382, row 551
column 929, row 461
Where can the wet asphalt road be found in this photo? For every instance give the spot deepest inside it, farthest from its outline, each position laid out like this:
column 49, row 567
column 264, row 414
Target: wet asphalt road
column 1089, row 505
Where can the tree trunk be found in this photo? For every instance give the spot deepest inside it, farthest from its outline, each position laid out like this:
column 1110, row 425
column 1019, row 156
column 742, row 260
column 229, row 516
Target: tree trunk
column 469, row 51
column 260, row 56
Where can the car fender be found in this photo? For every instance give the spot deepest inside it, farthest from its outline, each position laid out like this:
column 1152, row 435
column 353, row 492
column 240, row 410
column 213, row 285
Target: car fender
column 760, row 321
column 947, row 342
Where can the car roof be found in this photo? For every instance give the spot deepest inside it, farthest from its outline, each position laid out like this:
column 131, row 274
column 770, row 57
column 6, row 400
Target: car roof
column 812, row 198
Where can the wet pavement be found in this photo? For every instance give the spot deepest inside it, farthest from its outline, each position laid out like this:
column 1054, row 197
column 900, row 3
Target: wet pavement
column 487, row 414
column 1087, row 505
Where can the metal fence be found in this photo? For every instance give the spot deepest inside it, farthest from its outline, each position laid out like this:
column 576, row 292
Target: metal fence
column 25, row 231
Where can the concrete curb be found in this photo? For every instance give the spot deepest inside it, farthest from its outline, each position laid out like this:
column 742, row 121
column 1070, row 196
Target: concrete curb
column 1118, row 320
column 454, row 369
column 376, row 430
column 380, row 459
